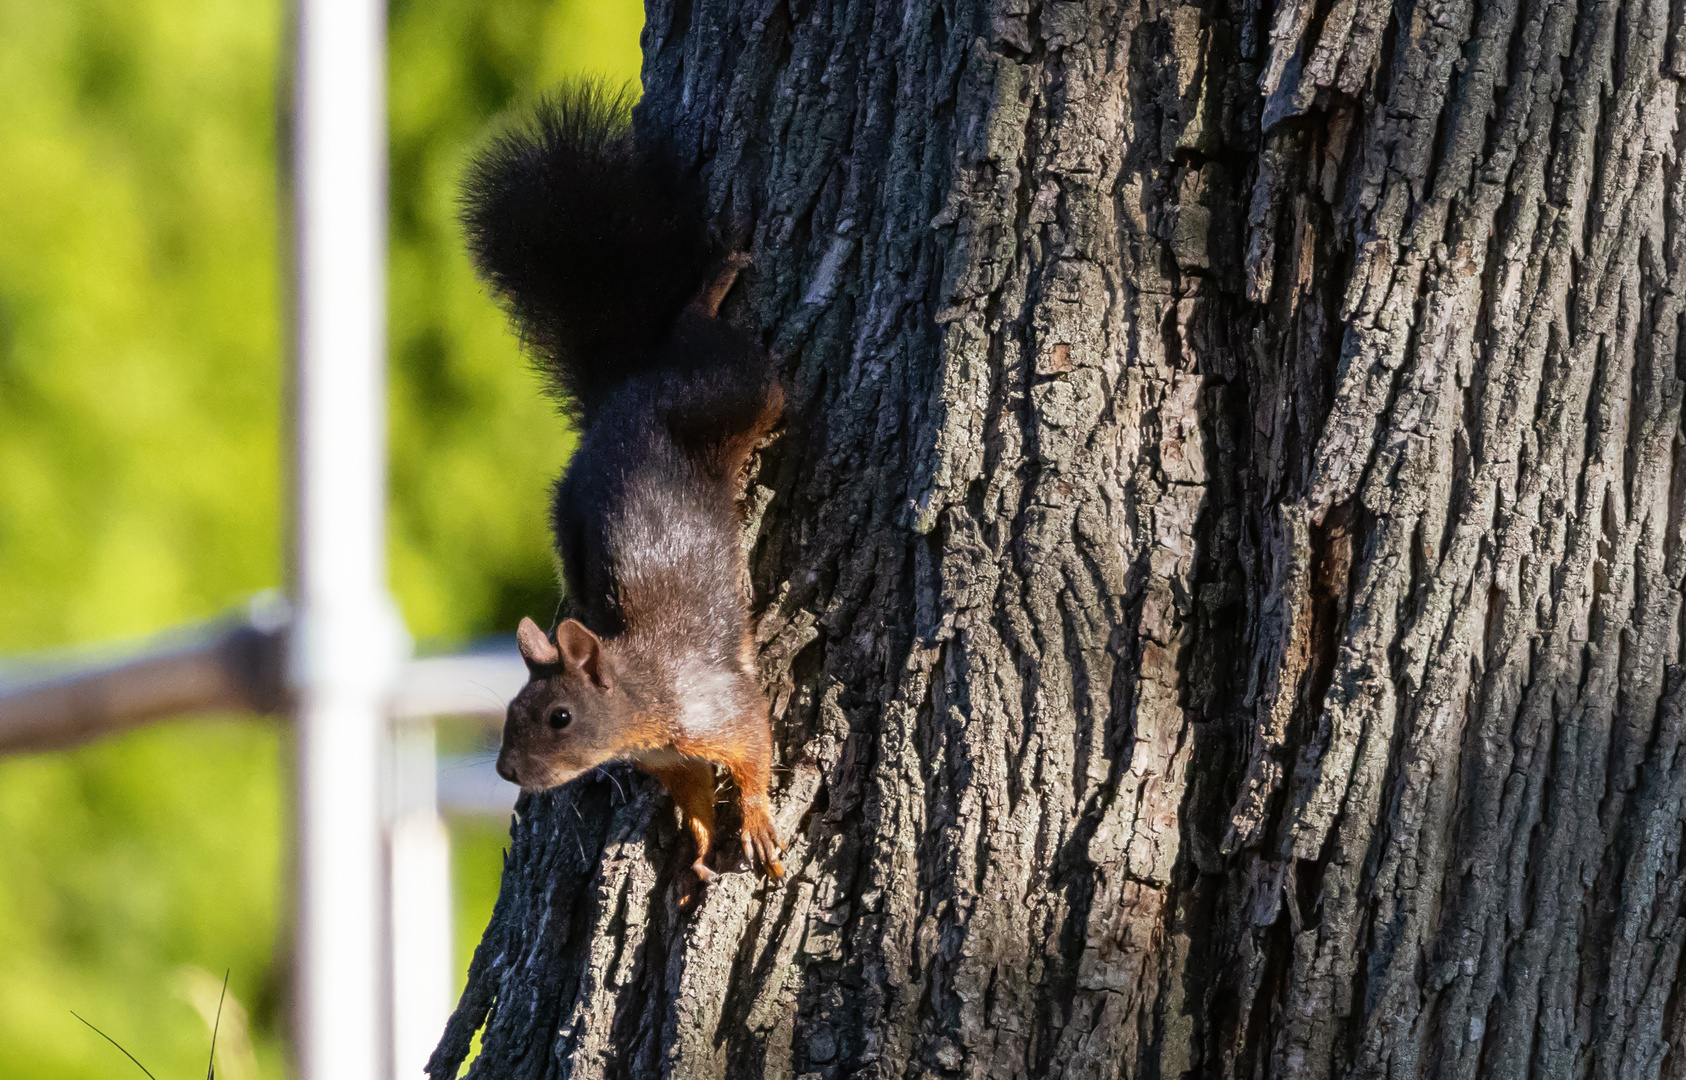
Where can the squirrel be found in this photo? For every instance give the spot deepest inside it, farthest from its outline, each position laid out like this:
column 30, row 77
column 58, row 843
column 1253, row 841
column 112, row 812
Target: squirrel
column 599, row 249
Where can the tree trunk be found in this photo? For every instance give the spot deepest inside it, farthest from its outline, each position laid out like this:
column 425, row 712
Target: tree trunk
column 1220, row 584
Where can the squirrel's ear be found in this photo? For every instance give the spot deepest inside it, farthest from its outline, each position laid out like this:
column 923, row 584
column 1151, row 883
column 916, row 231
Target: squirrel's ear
column 536, row 649
column 584, row 650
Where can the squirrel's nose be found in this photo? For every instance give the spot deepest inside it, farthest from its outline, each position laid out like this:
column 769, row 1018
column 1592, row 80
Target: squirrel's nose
column 505, row 768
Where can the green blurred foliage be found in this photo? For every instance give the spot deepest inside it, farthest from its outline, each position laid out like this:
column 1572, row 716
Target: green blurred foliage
column 142, row 478
column 477, row 848
column 139, row 366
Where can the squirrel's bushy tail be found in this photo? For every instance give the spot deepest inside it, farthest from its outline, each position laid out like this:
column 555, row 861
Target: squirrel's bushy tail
column 594, row 244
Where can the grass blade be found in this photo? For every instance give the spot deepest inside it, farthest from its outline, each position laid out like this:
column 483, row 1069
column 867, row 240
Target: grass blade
column 119, row 1046
column 211, row 1066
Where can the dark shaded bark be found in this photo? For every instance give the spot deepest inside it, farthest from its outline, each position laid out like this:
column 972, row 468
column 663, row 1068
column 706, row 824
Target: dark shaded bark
column 1220, row 585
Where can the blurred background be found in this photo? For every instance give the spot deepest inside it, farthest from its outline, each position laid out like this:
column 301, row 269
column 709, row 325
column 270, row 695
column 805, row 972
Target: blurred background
column 142, row 482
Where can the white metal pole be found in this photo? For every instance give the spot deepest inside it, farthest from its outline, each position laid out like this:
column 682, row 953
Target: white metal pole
column 419, row 861
column 349, row 639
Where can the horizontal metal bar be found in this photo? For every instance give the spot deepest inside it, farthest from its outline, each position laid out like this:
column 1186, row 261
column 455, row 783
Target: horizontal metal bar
column 470, row 784
column 468, row 684
column 228, row 667
column 238, row 665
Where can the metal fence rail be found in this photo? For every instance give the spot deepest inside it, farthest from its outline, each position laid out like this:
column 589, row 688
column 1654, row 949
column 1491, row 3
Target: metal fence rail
column 56, row 702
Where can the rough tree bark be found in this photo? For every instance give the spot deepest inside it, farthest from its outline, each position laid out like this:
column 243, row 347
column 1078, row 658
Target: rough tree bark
column 1220, row 585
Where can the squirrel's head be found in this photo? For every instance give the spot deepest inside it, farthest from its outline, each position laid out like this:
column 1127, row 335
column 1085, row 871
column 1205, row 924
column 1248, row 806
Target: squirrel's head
column 570, row 717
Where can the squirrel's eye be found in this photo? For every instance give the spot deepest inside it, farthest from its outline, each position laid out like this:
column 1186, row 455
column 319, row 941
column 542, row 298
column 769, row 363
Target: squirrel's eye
column 558, row 718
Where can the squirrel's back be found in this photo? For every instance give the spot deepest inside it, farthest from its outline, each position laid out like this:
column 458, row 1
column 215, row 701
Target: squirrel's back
column 600, row 250
column 646, row 516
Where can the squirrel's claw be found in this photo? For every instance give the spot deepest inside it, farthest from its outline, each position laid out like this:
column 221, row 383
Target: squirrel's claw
column 761, row 845
column 704, row 877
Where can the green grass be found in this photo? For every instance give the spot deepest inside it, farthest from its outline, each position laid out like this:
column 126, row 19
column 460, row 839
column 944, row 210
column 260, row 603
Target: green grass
column 142, row 480
column 126, row 863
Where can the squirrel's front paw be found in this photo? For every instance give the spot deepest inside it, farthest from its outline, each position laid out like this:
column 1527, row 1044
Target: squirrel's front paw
column 761, row 843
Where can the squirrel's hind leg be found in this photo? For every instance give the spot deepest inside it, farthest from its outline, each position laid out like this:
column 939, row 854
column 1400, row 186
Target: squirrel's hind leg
column 692, row 788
